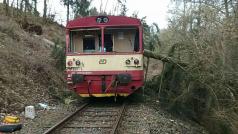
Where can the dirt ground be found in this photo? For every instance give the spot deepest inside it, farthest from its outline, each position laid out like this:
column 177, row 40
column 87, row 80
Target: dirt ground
column 27, row 73
column 45, row 119
column 139, row 118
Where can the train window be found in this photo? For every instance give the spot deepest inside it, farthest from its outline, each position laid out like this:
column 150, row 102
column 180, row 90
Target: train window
column 89, row 44
column 84, row 40
column 122, row 39
column 115, row 40
column 108, row 44
column 136, row 43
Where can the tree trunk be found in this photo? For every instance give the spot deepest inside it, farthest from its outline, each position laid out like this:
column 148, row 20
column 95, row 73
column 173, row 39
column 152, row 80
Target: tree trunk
column 68, row 11
column 45, row 9
column 17, row 4
column 150, row 54
column 12, row 6
column 6, row 6
column 184, row 16
column 26, row 7
column 35, row 7
column 21, row 5
column 199, row 15
column 147, row 68
column 226, row 8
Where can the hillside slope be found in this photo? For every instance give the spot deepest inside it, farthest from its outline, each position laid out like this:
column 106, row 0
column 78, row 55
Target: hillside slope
column 27, row 69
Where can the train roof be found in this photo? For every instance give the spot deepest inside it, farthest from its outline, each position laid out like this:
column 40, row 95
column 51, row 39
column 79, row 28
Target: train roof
column 112, row 21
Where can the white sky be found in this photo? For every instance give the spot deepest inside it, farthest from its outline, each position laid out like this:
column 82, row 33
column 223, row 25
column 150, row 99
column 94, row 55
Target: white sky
column 155, row 10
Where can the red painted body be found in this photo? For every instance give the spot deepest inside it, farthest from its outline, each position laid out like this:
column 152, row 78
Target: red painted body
column 93, row 80
column 95, row 87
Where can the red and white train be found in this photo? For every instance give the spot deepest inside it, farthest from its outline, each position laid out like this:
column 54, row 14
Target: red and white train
column 104, row 55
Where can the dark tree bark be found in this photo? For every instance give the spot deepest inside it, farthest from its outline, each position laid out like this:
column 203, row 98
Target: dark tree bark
column 21, row 5
column 68, row 11
column 25, row 9
column 150, row 54
column 226, row 8
column 17, row 4
column 35, row 7
column 6, row 6
column 45, row 9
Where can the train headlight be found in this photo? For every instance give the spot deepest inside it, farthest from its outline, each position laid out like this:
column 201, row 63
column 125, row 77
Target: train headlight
column 136, row 61
column 69, row 75
column 78, row 63
column 105, row 19
column 128, row 62
column 102, row 19
column 70, row 63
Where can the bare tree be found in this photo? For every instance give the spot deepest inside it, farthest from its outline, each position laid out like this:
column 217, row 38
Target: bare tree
column 45, row 9
column 21, row 5
column 35, row 7
column 68, row 4
column 6, row 4
column 226, row 8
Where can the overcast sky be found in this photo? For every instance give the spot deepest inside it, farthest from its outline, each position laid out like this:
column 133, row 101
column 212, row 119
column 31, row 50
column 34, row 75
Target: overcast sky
column 155, row 10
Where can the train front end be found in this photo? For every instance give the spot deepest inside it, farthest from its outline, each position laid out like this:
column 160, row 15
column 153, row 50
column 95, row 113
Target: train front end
column 104, row 56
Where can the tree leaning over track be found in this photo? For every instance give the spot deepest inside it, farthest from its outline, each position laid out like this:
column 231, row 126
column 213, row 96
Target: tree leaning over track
column 203, row 35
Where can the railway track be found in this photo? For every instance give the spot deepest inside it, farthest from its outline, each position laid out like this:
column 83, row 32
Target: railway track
column 91, row 118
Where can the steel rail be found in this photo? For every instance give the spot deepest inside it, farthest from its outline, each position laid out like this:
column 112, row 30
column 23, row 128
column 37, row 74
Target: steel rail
column 58, row 125
column 118, row 120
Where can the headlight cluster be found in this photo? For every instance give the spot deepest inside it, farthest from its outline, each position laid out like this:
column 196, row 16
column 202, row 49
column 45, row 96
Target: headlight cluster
column 102, row 19
column 77, row 63
column 132, row 60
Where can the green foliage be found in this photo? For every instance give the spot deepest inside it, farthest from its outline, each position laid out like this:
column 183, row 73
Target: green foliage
column 58, row 53
column 81, row 7
column 206, row 89
column 151, row 35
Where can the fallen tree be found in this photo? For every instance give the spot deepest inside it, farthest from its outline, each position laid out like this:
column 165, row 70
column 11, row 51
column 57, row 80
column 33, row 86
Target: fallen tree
column 199, row 89
column 154, row 55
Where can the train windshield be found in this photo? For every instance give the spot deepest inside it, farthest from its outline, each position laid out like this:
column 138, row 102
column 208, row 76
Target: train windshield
column 121, row 39
column 115, row 40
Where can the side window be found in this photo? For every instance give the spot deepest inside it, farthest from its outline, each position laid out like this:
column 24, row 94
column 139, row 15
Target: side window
column 71, row 46
column 89, row 44
column 136, row 43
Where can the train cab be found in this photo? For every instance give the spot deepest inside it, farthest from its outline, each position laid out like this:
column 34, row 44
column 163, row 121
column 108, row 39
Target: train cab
column 104, row 56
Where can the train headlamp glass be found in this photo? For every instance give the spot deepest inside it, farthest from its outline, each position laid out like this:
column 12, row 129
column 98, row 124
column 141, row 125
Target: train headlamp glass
column 77, row 62
column 70, row 63
column 102, row 19
column 105, row 20
column 99, row 20
column 136, row 61
column 69, row 75
column 128, row 62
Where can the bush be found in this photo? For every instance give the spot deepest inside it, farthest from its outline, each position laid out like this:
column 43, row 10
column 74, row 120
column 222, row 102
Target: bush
column 205, row 90
column 58, row 53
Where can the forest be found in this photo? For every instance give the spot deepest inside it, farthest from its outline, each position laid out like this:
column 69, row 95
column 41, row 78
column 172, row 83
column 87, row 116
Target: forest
column 198, row 51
